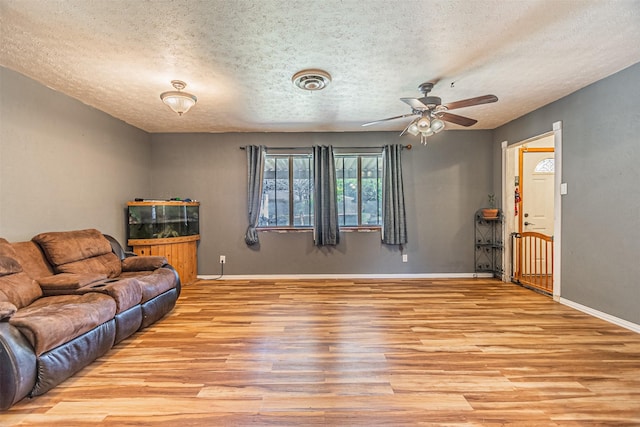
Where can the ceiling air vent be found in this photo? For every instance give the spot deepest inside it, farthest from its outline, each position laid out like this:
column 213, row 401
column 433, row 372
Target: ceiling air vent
column 311, row 79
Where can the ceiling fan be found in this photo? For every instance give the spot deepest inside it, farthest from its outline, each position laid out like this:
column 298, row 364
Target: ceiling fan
column 432, row 113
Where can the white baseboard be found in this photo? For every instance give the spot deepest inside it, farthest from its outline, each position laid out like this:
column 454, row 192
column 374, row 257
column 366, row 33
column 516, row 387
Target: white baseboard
column 347, row 276
column 600, row 315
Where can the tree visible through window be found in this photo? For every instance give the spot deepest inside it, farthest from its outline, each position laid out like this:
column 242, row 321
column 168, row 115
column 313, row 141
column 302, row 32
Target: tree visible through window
column 287, row 191
column 359, row 179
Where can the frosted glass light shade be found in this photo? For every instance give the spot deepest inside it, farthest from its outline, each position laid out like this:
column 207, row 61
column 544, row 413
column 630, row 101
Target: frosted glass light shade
column 423, row 124
column 413, row 128
column 178, row 101
column 437, row 125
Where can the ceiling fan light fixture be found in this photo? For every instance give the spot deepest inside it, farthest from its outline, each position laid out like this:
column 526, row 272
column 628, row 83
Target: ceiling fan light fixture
column 429, row 128
column 423, row 124
column 178, row 101
column 437, row 125
column 413, row 128
column 311, row 80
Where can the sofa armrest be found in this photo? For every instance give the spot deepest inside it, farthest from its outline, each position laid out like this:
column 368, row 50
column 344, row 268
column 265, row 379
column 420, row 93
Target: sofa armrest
column 117, row 248
column 143, row 263
column 17, row 366
column 64, row 282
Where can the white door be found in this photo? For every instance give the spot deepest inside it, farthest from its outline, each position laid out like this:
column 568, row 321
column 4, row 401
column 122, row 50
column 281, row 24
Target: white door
column 537, row 191
column 537, row 194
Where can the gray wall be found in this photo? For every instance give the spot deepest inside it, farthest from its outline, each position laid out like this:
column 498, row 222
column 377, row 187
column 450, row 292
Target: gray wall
column 64, row 165
column 445, row 183
column 601, row 212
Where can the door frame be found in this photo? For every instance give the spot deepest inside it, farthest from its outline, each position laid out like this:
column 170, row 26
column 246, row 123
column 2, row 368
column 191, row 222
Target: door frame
column 559, row 189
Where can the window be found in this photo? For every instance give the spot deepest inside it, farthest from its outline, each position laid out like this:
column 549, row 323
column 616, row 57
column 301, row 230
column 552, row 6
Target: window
column 287, row 191
column 359, row 181
column 545, row 166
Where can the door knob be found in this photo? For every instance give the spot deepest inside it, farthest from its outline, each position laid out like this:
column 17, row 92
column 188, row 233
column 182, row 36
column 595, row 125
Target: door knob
column 528, row 223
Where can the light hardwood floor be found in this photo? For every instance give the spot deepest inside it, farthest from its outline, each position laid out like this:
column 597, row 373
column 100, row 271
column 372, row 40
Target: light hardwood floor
column 356, row 353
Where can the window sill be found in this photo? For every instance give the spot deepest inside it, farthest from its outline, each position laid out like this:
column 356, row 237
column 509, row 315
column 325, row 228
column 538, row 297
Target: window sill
column 364, row 229
column 368, row 229
column 286, row 229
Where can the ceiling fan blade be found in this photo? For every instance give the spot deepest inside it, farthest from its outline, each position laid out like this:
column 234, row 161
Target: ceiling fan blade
column 459, row 120
column 390, row 118
column 486, row 99
column 414, row 103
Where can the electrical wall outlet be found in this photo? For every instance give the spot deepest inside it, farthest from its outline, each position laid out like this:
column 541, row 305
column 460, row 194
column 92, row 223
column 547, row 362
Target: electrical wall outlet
column 223, row 259
column 404, row 258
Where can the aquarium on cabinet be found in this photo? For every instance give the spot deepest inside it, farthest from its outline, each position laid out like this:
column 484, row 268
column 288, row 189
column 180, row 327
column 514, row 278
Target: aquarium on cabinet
column 163, row 220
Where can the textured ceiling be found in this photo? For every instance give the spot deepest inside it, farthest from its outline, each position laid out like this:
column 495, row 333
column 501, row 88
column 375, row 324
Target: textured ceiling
column 238, row 56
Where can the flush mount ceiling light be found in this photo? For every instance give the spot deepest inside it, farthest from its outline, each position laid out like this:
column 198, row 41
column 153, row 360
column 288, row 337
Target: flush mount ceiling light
column 311, row 79
column 178, row 101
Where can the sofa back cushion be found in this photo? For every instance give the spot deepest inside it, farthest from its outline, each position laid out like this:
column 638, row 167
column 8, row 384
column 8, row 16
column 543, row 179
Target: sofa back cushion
column 79, row 252
column 9, row 265
column 108, row 264
column 63, row 247
column 32, row 259
column 16, row 287
column 19, row 289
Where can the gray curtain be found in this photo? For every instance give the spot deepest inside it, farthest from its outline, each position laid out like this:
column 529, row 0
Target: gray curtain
column 394, row 225
column 255, row 172
column 325, row 201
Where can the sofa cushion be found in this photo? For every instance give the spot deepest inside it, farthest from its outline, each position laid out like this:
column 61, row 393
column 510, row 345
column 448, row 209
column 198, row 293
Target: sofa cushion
column 7, row 310
column 67, row 281
column 143, row 263
column 6, row 249
column 15, row 286
column 108, row 264
column 9, row 262
column 80, row 251
column 63, row 247
column 9, row 266
column 19, row 289
column 52, row 321
column 32, row 259
column 153, row 283
column 125, row 292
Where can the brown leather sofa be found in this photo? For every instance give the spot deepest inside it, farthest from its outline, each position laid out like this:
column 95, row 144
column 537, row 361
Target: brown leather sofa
column 65, row 299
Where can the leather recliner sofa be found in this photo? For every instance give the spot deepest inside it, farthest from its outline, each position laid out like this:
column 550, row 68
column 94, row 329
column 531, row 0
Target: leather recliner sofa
column 66, row 298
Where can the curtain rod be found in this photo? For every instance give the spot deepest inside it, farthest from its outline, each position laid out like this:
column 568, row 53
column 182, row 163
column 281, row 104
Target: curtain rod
column 407, row 147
